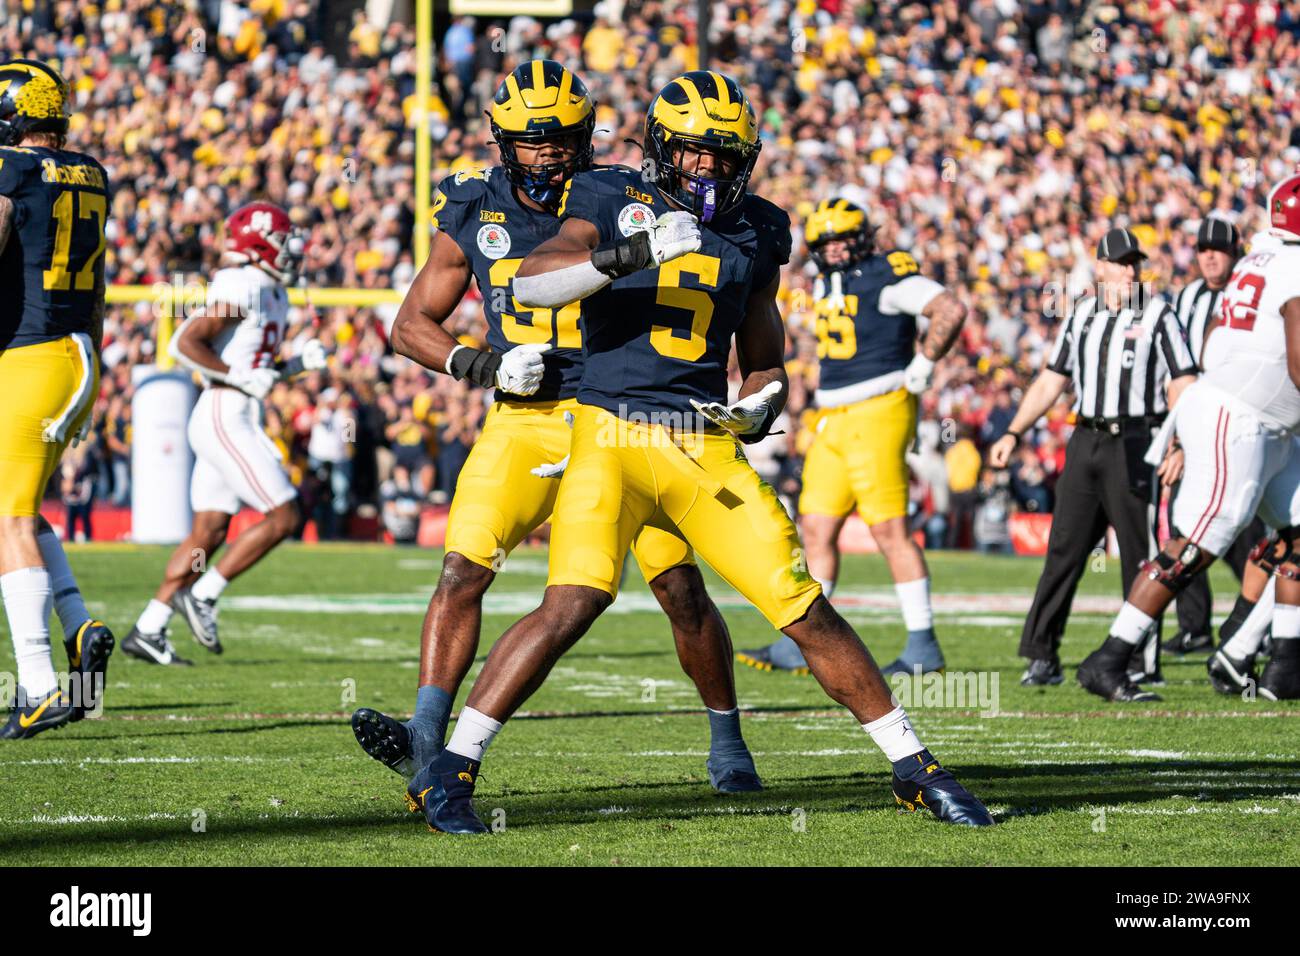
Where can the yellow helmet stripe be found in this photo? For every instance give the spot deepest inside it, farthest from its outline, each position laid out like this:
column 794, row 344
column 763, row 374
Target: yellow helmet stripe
column 539, row 75
column 724, row 97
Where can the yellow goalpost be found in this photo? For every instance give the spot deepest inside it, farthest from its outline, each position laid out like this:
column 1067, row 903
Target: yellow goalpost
column 165, row 296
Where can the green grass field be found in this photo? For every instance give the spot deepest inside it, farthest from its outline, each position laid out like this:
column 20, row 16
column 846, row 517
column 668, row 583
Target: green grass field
column 248, row 758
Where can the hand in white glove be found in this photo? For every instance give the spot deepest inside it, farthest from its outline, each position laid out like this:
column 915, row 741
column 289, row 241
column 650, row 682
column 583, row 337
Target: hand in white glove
column 674, row 234
column 313, row 356
column 556, row 469
column 521, row 368
column 745, row 416
column 82, row 432
column 256, row 382
column 917, row 375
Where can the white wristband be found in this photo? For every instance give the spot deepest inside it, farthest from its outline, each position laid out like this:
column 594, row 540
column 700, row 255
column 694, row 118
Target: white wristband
column 553, row 289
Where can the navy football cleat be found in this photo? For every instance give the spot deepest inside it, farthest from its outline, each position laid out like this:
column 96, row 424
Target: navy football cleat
column 1104, row 672
column 935, row 789
column 88, row 652
column 763, row 659
column 444, row 791
column 386, row 739
column 153, row 648
column 29, row 717
column 735, row 780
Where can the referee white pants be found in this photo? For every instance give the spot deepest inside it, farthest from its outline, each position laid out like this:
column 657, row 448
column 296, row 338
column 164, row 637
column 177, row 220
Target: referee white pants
column 235, row 461
column 1234, row 465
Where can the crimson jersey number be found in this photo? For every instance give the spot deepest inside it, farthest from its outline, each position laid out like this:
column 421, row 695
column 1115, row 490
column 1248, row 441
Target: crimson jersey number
column 1241, row 301
column 266, row 352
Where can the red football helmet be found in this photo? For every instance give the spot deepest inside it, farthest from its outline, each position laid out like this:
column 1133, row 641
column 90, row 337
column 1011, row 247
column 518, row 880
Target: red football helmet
column 261, row 234
column 1284, row 208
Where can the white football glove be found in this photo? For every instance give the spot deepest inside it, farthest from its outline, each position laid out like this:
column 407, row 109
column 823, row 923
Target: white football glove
column 313, row 356
column 556, row 469
column 83, row 432
column 521, row 368
column 674, row 234
column 256, row 382
column 745, row 416
column 917, row 375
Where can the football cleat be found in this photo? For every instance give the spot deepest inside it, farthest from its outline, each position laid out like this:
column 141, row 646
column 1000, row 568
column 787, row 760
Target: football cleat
column 901, row 666
column 738, row 775
column 934, row 788
column 201, row 617
column 154, row 648
column 88, row 652
column 444, row 792
column 1281, row 677
column 1137, row 675
column 769, row 658
column 386, row 739
column 1230, row 675
column 1041, row 673
column 29, row 717
column 1185, row 642
column 1104, row 672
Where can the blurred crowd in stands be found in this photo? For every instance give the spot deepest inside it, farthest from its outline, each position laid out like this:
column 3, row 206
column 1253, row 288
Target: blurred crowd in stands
column 995, row 139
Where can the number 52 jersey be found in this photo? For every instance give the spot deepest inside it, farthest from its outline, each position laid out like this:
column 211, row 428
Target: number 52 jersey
column 495, row 231
column 55, row 254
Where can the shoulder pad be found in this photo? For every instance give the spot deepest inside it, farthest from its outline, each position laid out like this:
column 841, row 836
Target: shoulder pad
column 466, row 185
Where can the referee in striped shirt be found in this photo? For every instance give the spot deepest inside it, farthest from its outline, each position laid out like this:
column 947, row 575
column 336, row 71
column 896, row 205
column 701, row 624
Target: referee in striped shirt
column 1124, row 353
column 1218, row 247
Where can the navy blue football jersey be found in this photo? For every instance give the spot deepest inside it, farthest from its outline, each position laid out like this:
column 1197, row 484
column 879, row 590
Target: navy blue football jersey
column 55, row 254
column 856, row 339
column 479, row 210
column 660, row 337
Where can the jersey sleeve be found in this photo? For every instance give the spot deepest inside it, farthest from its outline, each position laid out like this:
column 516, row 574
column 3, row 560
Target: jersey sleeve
column 453, row 196
column 13, row 169
column 773, row 225
column 582, row 199
column 228, row 288
column 1175, row 354
column 909, row 296
column 1061, row 359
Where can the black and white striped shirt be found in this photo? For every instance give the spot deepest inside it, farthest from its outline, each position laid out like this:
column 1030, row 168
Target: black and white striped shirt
column 1121, row 361
column 1197, row 305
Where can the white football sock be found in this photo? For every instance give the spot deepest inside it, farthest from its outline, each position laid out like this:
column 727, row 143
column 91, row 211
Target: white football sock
column 210, row 586
column 68, row 603
column 154, row 617
column 1131, row 624
column 1250, row 635
column 914, row 598
column 828, row 586
column 28, row 601
column 474, row 731
column 1286, row 622
column 894, row 735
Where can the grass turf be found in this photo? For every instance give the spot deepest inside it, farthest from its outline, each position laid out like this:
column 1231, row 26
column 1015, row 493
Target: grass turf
column 248, row 759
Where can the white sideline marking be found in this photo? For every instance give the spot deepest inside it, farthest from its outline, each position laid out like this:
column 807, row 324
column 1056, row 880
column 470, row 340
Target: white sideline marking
column 983, row 609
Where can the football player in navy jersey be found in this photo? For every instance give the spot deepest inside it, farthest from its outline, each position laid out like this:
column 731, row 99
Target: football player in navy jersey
column 53, row 207
column 671, row 266
column 869, row 305
column 542, row 120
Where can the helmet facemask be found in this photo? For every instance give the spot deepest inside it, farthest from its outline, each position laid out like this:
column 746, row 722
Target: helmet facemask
column 860, row 244
column 705, row 196
column 543, row 183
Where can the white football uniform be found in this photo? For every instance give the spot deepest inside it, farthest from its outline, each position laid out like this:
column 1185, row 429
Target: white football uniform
column 1237, row 423
column 235, row 460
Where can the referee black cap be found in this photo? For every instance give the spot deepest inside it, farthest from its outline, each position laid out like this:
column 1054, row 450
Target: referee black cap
column 1119, row 245
column 1216, row 233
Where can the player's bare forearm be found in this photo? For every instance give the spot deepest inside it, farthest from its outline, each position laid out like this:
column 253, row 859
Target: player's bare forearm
column 946, row 315
column 194, row 341
column 1291, row 327
column 6, row 221
column 417, row 331
column 1039, row 397
column 1176, row 388
column 571, row 246
column 760, row 345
